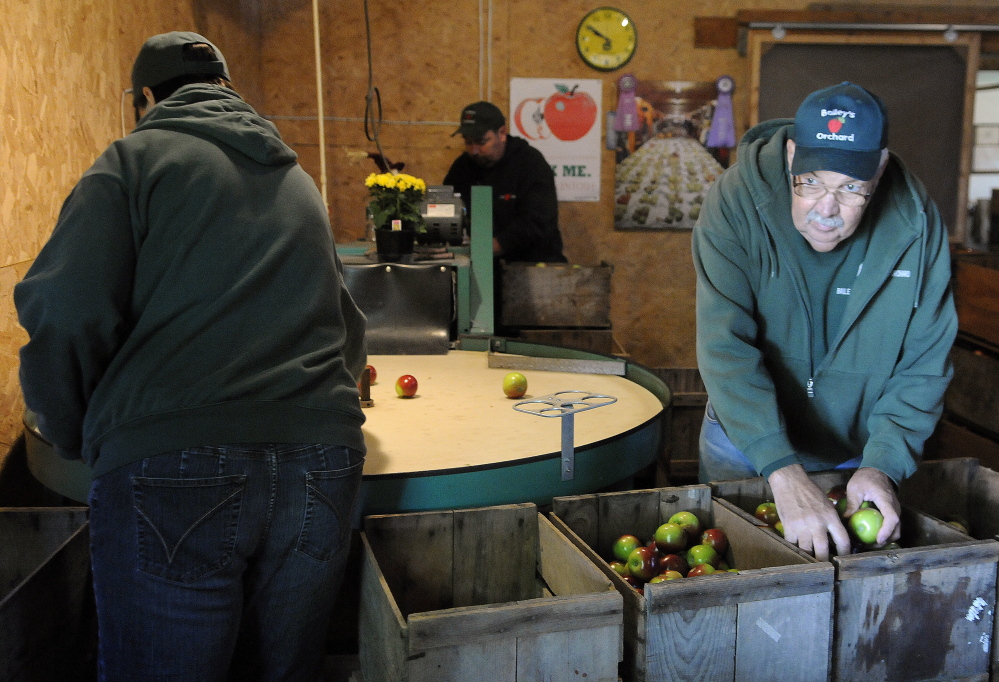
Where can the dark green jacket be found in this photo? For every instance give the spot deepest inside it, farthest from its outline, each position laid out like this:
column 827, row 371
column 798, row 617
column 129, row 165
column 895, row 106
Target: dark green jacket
column 879, row 390
column 191, row 295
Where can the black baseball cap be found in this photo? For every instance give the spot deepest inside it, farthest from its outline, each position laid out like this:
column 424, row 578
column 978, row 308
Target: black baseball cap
column 842, row 128
column 478, row 119
column 162, row 58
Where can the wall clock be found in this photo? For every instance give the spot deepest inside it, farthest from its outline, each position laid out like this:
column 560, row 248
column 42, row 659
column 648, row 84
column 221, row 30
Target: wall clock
column 606, row 38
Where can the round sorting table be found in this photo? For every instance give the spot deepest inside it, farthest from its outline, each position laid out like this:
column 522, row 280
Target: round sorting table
column 460, row 443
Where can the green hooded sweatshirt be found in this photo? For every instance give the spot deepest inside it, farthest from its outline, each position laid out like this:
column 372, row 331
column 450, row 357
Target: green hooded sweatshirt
column 191, row 295
column 878, row 392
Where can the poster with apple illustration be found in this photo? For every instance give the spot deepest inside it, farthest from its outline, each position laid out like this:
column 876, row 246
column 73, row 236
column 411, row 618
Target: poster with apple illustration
column 560, row 118
column 663, row 167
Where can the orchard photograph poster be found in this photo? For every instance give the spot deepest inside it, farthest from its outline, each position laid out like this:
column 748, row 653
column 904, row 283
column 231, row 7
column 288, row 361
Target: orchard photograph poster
column 667, row 153
column 560, row 117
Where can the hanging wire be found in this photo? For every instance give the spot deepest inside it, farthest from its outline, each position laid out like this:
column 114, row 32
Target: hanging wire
column 372, row 123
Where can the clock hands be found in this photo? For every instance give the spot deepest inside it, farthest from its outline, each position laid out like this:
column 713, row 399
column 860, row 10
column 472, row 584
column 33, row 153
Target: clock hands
column 607, row 41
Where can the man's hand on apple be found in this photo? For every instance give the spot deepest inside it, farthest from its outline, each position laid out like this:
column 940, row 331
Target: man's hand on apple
column 808, row 516
column 873, row 485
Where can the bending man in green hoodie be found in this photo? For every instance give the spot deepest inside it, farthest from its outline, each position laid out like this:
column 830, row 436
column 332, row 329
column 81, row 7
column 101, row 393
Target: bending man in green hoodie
column 191, row 339
column 824, row 315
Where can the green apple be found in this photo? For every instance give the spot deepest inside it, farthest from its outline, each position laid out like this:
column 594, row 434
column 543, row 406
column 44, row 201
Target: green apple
column 643, row 563
column 514, row 385
column 624, row 546
column 666, row 575
column 619, row 567
column 701, row 569
column 670, row 538
column 767, row 513
column 690, row 524
column 702, row 554
column 864, row 525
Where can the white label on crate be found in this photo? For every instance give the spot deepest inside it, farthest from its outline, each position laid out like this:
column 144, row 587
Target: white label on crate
column 976, row 608
column 985, row 640
column 767, row 628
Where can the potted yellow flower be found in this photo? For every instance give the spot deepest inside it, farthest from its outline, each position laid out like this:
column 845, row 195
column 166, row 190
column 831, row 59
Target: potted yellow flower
column 394, row 203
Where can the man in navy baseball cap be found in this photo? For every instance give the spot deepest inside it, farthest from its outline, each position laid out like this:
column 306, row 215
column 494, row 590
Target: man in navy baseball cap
column 824, row 316
column 842, row 128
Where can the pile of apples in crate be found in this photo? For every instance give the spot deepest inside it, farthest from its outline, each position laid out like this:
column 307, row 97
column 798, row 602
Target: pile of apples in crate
column 679, row 548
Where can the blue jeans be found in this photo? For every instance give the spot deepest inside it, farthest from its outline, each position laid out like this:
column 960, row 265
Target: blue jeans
column 221, row 562
column 720, row 460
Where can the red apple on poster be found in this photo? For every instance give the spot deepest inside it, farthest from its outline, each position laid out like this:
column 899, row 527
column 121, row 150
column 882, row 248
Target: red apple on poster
column 715, row 537
column 624, row 546
column 405, row 386
column 536, row 117
column 670, row 538
column 642, row 563
column 570, row 114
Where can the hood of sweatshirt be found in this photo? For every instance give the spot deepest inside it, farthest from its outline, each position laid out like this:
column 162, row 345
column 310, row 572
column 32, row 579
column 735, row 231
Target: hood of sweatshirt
column 219, row 114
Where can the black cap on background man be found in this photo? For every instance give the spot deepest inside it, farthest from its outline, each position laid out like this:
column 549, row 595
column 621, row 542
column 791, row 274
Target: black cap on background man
column 478, row 119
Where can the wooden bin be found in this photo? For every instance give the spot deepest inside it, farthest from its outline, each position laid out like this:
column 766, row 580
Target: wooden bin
column 46, row 620
column 556, row 295
column 772, row 620
column 491, row 593
column 923, row 612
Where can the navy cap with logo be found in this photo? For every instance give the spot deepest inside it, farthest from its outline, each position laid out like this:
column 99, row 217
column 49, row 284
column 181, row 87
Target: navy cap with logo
column 162, row 58
column 842, row 128
column 478, row 119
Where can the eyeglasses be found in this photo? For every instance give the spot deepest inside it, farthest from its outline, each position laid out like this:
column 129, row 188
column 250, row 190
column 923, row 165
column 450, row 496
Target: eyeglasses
column 850, row 194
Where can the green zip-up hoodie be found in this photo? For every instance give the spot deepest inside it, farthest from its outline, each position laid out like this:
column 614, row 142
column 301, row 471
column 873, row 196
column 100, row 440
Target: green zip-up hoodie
column 190, row 295
column 878, row 393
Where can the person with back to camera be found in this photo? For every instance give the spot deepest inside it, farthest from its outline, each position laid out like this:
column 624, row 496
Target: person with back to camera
column 191, row 339
column 824, row 315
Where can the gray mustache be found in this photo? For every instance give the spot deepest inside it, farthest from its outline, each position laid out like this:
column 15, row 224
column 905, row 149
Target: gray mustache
column 831, row 221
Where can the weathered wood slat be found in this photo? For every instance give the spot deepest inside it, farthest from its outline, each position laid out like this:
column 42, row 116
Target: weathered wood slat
column 770, row 633
column 495, row 554
column 493, row 659
column 382, row 629
column 569, row 655
column 420, row 578
column 452, row 627
column 566, row 569
column 692, row 644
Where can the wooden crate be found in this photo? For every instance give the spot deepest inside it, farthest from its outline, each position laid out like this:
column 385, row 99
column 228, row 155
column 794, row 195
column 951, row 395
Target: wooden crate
column 976, row 295
column 954, row 440
column 924, row 612
column 493, row 593
column 556, row 295
column 681, row 450
column 772, row 620
column 973, row 393
column 46, row 617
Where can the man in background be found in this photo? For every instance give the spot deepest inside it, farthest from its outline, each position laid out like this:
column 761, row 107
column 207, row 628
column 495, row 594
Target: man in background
column 191, row 339
column 824, row 315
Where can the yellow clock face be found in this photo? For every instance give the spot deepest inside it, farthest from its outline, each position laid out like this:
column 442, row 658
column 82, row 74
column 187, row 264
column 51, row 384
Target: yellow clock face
column 606, row 38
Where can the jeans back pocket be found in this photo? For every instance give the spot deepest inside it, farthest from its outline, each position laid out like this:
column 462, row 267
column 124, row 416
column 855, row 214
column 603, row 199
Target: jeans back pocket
column 329, row 503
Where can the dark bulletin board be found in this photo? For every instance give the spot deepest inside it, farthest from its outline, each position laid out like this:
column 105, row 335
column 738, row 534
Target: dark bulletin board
column 924, row 88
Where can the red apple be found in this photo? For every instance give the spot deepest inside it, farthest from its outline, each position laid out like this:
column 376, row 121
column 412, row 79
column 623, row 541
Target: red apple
column 779, row 528
column 701, row 569
column 690, row 524
column 514, row 385
column 624, row 546
column 642, row 563
column 631, row 580
column 837, row 495
column 405, row 386
column 670, row 538
column 767, row 513
column 715, row 537
column 702, row 554
column 570, row 114
column 674, row 562
column 666, row 575
column 372, row 374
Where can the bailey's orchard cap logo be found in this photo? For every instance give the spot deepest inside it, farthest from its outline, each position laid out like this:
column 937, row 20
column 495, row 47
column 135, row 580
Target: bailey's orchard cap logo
column 837, row 118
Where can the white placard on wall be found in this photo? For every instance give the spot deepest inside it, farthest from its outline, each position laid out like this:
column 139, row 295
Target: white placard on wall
column 560, row 117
